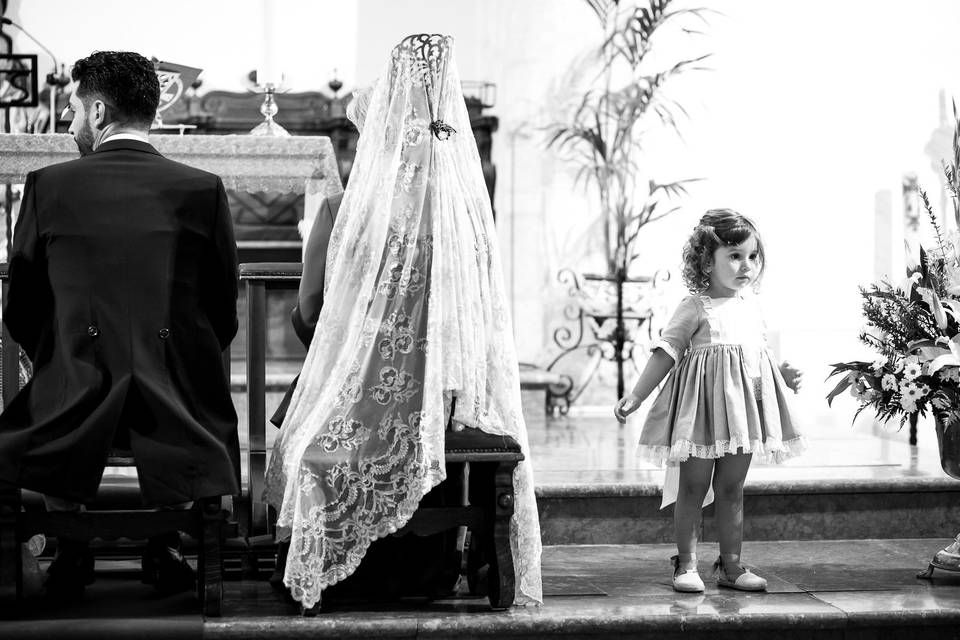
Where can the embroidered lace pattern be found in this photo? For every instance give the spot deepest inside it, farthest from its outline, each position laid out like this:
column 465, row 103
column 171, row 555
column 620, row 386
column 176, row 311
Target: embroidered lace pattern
column 414, row 312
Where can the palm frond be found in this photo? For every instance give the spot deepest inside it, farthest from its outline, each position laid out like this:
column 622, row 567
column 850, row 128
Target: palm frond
column 603, row 9
column 605, row 135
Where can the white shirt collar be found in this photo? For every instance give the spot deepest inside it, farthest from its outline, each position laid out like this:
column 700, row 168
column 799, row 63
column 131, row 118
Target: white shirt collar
column 125, row 136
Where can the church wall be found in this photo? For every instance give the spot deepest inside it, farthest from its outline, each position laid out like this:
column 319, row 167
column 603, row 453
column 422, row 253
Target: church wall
column 810, row 111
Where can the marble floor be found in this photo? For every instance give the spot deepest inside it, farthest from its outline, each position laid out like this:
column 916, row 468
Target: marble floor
column 589, row 447
column 817, row 589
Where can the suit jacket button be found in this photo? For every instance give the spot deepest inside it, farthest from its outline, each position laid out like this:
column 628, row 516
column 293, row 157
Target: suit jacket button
column 93, row 331
column 164, row 333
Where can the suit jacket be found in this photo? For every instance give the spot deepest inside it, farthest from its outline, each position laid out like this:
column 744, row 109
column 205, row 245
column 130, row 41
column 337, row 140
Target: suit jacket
column 123, row 290
column 310, row 294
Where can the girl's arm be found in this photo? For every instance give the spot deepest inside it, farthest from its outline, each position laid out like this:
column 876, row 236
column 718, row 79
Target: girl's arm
column 792, row 376
column 658, row 366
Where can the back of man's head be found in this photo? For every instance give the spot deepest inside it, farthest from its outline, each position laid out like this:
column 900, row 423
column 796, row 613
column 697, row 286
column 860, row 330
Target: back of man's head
column 126, row 81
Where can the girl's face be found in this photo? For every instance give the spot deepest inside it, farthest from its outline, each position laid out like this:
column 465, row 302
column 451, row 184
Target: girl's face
column 734, row 268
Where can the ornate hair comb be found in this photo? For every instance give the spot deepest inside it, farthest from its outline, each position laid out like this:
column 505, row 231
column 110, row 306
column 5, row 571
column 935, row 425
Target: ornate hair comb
column 430, row 52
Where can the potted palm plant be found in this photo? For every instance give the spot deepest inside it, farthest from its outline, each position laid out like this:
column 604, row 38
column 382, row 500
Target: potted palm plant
column 603, row 138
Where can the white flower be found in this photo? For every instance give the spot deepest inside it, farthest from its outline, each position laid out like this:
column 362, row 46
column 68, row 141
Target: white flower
column 949, row 374
column 878, row 364
column 911, row 368
column 913, row 391
column 908, row 284
column 951, row 268
column 953, row 281
column 889, row 382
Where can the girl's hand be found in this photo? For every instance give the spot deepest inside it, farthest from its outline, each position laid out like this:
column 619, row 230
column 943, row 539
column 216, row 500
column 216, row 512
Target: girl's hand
column 791, row 375
column 627, row 405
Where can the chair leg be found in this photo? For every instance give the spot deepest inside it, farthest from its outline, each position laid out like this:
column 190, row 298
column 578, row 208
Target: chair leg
column 210, row 569
column 11, row 570
column 500, row 577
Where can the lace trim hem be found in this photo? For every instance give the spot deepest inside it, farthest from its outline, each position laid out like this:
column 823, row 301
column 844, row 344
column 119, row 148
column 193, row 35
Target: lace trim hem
column 668, row 348
column 773, row 450
column 309, row 592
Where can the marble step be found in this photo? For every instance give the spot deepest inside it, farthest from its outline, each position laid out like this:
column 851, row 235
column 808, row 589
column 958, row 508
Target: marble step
column 831, row 589
column 847, row 589
column 818, row 504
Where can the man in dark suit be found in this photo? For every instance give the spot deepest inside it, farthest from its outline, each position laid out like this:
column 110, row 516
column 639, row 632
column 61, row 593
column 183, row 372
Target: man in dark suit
column 123, row 288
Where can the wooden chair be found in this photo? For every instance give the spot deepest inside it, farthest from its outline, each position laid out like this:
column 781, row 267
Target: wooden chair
column 112, row 516
column 480, row 465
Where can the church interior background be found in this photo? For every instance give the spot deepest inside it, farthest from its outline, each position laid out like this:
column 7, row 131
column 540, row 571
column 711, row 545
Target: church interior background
column 808, row 118
column 817, row 119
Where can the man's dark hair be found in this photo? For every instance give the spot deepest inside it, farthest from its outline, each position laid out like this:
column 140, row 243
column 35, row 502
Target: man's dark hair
column 124, row 80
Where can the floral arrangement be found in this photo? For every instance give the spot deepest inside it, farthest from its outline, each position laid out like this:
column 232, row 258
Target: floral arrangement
column 914, row 327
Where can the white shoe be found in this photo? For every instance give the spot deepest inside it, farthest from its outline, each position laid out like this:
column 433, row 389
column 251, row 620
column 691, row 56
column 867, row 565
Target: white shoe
column 685, row 580
column 746, row 581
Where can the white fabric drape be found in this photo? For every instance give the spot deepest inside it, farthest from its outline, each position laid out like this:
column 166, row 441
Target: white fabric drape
column 414, row 312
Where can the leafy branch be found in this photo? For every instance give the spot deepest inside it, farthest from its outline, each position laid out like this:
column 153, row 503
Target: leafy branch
column 604, row 136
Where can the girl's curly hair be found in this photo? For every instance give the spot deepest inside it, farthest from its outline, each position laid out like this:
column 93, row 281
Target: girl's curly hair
column 717, row 228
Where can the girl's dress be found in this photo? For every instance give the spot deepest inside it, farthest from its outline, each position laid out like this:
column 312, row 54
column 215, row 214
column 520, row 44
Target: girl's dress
column 725, row 392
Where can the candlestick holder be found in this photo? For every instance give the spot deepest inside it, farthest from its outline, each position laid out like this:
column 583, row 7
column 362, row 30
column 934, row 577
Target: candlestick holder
column 269, row 109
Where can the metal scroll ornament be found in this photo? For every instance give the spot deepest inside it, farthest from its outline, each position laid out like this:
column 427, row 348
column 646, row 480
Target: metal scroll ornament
column 430, row 53
column 593, row 336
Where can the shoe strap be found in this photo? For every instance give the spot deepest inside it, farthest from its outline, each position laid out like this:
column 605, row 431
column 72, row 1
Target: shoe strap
column 675, row 561
column 720, row 565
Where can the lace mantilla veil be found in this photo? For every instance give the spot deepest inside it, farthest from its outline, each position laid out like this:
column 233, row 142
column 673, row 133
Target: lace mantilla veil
column 414, row 311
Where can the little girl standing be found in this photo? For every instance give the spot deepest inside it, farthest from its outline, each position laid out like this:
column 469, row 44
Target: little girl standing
column 725, row 400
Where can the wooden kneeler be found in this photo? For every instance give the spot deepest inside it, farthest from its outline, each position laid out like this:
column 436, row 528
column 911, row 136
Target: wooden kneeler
column 490, row 461
column 206, row 522
column 485, row 463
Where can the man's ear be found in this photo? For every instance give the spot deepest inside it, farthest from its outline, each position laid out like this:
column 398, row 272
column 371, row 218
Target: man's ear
column 98, row 112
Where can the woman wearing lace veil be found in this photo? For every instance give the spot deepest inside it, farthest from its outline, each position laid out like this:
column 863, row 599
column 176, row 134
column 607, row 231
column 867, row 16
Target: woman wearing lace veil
column 414, row 326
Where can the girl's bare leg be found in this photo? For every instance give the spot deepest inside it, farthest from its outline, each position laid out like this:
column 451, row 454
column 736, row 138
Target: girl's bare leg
column 694, row 482
column 728, row 477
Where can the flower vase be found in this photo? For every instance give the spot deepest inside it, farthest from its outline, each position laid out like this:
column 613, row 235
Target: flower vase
column 948, row 441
